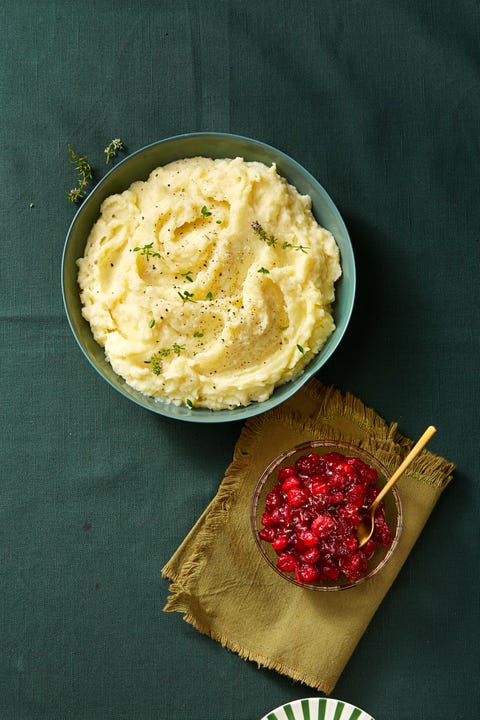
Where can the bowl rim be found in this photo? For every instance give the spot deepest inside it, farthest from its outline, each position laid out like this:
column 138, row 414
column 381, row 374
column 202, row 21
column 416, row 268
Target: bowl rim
column 310, row 445
column 282, row 392
column 315, row 704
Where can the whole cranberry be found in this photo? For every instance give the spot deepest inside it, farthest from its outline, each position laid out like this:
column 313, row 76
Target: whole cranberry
column 285, row 472
column 267, row 534
column 333, row 457
column 337, row 481
column 297, row 496
column 381, row 532
column 307, row 573
column 319, row 486
column 307, row 464
column 309, row 538
column 368, row 549
column 336, row 498
column 279, row 543
column 273, row 500
column 322, row 525
column 290, row 482
column 354, row 565
column 369, row 474
column 349, row 512
column 356, row 494
column 286, row 562
column 298, row 544
column 267, row 519
column 311, row 555
column 330, row 572
column 285, row 512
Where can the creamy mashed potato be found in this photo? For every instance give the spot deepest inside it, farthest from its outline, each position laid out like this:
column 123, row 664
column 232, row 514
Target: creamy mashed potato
column 210, row 283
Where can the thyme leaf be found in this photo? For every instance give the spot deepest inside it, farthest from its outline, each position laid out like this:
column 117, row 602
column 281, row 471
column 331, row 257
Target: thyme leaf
column 205, row 212
column 156, row 363
column 272, row 241
column 186, row 296
column 147, row 251
column 302, row 248
column 112, row 149
column 82, row 166
column 84, row 173
column 77, row 193
column 156, row 359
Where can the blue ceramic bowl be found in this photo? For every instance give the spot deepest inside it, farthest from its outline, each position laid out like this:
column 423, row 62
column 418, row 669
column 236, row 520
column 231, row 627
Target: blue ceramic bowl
column 138, row 166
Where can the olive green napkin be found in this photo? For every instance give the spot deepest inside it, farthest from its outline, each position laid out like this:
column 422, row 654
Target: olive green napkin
column 227, row 591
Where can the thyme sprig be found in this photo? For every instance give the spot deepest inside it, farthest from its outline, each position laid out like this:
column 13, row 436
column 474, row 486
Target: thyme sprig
column 147, row 251
column 85, row 174
column 302, row 248
column 186, row 296
column 84, row 169
column 112, row 149
column 156, row 363
column 156, row 359
column 272, row 241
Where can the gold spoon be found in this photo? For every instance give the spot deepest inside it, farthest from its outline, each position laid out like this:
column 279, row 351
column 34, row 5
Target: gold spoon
column 365, row 527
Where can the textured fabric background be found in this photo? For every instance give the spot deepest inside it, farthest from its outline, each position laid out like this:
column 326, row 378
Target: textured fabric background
column 381, row 102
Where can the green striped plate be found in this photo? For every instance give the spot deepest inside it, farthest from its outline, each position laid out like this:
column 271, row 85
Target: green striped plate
column 317, row 709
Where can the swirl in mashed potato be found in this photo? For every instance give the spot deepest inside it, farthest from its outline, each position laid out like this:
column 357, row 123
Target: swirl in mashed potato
column 210, row 283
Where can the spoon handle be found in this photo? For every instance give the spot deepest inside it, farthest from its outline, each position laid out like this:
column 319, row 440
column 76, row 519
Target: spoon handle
column 419, row 445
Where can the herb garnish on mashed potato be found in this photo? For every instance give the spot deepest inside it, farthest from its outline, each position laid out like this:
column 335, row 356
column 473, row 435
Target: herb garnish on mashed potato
column 210, row 283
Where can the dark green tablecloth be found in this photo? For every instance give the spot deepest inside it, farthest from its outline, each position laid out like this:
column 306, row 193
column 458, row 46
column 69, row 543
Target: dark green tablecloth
column 381, row 102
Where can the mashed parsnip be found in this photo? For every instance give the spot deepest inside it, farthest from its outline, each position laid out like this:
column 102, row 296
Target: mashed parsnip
column 210, row 283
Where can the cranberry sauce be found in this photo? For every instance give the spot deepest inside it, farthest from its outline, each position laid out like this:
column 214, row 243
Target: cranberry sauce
column 311, row 516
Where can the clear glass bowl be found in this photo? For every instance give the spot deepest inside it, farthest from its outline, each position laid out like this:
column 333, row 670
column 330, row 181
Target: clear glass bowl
column 392, row 504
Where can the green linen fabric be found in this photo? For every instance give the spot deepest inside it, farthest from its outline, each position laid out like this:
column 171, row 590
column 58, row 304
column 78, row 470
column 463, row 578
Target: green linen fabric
column 381, row 102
